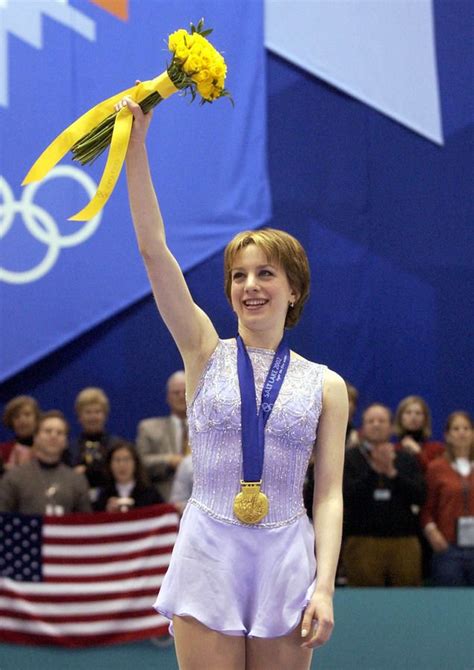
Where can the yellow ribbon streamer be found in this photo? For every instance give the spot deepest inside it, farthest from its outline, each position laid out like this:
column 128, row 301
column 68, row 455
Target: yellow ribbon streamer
column 118, row 148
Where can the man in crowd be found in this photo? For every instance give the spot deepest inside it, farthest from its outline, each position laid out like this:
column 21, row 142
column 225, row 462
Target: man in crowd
column 45, row 485
column 383, row 490
column 162, row 442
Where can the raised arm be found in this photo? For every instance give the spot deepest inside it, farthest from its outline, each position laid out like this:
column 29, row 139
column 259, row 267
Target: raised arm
column 190, row 327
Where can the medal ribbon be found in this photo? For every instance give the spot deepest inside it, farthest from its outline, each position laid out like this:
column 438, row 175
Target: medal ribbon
column 253, row 423
column 118, row 147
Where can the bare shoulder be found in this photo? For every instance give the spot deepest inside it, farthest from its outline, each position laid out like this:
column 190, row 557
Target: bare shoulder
column 334, row 390
column 333, row 380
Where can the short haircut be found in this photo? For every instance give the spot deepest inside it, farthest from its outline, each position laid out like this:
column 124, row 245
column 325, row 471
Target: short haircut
column 52, row 414
column 281, row 248
column 402, row 405
column 91, row 395
column 15, row 405
column 377, row 404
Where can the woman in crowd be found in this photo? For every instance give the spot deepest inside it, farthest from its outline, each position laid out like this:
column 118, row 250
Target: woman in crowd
column 240, row 589
column 88, row 452
column 21, row 415
column 413, row 429
column 127, row 485
column 448, row 515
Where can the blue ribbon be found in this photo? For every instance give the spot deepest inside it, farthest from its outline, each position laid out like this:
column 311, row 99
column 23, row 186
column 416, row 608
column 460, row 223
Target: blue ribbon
column 253, row 423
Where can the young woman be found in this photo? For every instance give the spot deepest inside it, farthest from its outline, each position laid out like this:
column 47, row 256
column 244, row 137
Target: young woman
column 126, row 485
column 413, row 429
column 242, row 589
column 448, row 515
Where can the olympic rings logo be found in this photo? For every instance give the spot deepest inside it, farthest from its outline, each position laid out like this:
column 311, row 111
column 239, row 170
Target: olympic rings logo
column 41, row 225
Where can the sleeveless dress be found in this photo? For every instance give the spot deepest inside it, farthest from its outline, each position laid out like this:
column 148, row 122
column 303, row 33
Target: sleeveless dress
column 233, row 577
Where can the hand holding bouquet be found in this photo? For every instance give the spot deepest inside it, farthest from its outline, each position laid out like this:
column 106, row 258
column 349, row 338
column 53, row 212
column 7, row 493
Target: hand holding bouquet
column 196, row 68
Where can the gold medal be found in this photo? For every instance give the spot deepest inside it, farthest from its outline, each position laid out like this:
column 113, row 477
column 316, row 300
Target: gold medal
column 250, row 505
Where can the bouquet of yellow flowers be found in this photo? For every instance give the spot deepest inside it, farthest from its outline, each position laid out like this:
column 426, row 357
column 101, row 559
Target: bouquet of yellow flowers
column 196, row 68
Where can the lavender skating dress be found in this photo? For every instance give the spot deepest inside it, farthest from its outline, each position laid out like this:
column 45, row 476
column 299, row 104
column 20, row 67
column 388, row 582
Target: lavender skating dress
column 236, row 578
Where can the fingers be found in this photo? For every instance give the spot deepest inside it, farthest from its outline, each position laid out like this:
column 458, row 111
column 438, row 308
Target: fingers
column 307, row 622
column 320, row 633
column 127, row 101
column 316, row 630
column 134, row 107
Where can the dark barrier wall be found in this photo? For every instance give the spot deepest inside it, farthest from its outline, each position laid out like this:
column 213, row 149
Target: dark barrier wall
column 386, row 217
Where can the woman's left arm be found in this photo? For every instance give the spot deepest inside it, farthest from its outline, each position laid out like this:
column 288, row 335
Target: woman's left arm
column 327, row 508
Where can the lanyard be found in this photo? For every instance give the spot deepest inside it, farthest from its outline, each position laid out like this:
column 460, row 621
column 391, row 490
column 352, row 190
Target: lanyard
column 253, row 423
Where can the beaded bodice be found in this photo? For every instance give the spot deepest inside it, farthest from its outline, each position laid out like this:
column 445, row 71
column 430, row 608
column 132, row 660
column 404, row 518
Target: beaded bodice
column 214, row 429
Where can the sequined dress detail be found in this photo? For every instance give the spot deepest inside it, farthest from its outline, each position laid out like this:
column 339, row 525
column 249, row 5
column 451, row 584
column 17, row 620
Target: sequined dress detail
column 214, row 428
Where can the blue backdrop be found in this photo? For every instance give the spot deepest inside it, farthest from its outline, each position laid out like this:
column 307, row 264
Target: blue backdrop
column 59, row 278
column 386, row 217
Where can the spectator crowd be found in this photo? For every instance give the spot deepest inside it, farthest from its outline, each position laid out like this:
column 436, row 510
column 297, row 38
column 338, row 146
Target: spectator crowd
column 408, row 500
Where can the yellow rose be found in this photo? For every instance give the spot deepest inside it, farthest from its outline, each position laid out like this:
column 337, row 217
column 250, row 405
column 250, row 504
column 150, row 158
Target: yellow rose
column 205, row 90
column 200, row 40
column 176, row 38
column 203, row 76
column 182, row 52
column 196, row 49
column 217, row 70
column 193, row 64
column 206, row 59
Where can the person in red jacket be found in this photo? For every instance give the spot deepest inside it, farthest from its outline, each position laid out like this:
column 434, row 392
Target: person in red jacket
column 412, row 426
column 21, row 415
column 448, row 514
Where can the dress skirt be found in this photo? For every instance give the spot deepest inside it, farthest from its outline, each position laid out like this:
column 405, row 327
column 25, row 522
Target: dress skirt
column 239, row 580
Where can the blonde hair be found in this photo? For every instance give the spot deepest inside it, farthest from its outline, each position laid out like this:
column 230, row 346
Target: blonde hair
column 447, row 428
column 91, row 395
column 281, row 248
column 15, row 405
column 402, row 405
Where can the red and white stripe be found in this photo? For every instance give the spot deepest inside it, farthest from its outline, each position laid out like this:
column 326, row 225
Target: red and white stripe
column 101, row 575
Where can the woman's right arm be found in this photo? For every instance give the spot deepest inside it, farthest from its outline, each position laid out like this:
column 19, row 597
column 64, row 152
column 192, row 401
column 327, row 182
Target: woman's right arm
column 190, row 327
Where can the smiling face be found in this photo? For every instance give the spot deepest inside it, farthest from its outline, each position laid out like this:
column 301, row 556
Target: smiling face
column 260, row 293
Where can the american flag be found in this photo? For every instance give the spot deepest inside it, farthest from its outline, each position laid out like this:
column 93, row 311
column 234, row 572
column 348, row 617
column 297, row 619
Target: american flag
column 84, row 579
